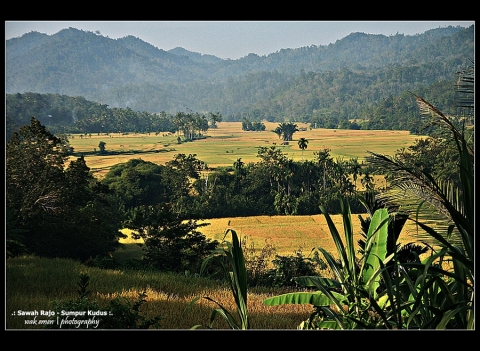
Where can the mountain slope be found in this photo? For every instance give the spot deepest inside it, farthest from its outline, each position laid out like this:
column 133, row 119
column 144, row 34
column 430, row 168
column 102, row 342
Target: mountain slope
column 130, row 72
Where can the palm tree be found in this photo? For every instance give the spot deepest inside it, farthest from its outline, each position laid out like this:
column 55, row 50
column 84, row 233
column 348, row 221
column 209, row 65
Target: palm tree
column 286, row 129
column 214, row 118
column 323, row 157
column 278, row 131
column 178, row 121
column 367, row 180
column 238, row 165
column 443, row 202
column 302, row 144
column 356, row 169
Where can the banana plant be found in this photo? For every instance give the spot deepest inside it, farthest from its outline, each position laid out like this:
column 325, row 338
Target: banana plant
column 351, row 299
column 236, row 272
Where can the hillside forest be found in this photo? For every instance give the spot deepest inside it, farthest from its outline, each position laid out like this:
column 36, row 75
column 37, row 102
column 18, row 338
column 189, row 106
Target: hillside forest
column 361, row 78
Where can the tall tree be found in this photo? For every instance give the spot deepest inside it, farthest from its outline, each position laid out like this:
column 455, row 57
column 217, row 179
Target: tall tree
column 138, row 182
column 302, row 144
column 61, row 210
column 171, row 244
column 355, row 169
column 324, row 159
column 214, row 118
column 286, row 129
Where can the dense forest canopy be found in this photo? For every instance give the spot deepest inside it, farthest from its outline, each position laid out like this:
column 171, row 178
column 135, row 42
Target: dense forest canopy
column 343, row 81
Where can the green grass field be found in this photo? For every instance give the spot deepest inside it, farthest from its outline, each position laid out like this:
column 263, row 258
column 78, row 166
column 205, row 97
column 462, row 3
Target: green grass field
column 224, row 145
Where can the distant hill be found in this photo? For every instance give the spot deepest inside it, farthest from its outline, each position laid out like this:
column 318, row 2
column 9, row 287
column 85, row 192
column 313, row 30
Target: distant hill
column 195, row 56
column 129, row 72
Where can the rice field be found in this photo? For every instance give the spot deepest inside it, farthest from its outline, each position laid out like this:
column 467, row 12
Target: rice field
column 288, row 234
column 224, row 145
column 33, row 283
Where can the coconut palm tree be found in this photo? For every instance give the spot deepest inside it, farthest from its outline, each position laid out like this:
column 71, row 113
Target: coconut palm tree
column 444, row 210
column 323, row 158
column 302, row 144
column 356, row 169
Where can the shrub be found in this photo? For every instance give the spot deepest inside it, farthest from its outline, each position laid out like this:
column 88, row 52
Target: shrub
column 289, row 267
column 257, row 263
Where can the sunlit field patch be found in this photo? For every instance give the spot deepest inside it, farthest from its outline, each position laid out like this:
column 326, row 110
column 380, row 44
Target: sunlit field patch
column 288, row 234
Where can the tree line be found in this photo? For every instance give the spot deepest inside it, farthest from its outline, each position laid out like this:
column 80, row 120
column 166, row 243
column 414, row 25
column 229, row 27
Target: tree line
column 64, row 114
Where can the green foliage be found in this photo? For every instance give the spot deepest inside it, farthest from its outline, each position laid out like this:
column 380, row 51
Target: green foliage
column 171, row 243
column 83, row 284
column 434, row 293
column 286, row 130
column 302, row 144
column 13, row 236
column 59, row 211
column 236, row 273
column 348, row 300
column 287, row 268
column 275, row 185
column 138, row 182
column 257, row 262
column 102, row 147
column 252, row 126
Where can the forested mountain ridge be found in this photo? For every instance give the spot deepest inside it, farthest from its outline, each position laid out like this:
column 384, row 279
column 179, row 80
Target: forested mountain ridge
column 195, row 56
column 129, row 72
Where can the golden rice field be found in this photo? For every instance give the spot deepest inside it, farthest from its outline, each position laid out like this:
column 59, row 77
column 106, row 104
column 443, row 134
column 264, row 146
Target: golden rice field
column 33, row 283
column 224, row 145
column 288, row 234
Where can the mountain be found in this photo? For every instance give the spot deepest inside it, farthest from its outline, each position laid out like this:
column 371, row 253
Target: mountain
column 129, row 72
column 195, row 56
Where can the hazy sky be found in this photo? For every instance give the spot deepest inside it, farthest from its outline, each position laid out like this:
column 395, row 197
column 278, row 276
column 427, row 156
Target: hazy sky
column 231, row 39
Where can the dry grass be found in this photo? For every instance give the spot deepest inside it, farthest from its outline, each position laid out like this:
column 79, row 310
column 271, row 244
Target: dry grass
column 33, row 283
column 289, row 234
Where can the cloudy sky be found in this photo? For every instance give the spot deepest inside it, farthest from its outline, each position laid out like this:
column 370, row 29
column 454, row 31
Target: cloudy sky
column 231, row 39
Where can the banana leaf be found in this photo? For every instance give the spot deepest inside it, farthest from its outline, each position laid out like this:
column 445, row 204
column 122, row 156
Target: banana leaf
column 314, row 281
column 375, row 249
column 316, row 298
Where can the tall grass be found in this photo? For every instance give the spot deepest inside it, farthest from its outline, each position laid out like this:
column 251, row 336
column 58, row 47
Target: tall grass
column 33, row 283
